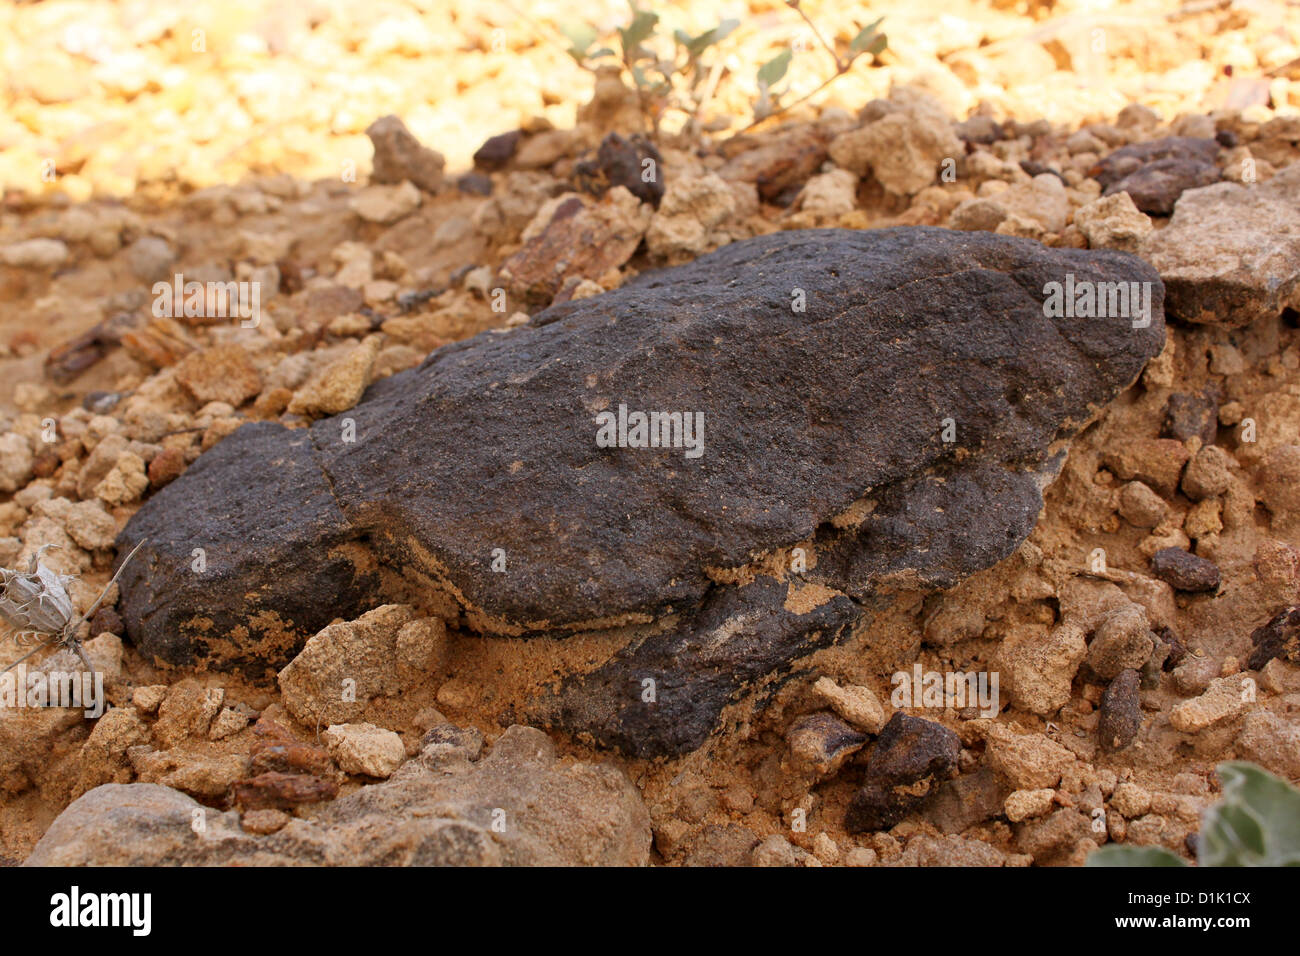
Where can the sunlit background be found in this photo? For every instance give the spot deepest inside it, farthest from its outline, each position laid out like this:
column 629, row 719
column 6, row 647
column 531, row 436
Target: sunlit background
column 120, row 97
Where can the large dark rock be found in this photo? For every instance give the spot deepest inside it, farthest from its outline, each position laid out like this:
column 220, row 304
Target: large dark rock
column 824, row 429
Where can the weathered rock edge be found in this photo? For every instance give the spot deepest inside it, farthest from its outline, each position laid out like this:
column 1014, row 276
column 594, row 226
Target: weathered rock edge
column 440, row 809
column 823, row 428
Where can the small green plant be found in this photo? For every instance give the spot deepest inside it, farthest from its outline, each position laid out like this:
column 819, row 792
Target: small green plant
column 686, row 78
column 867, row 41
column 1255, row 823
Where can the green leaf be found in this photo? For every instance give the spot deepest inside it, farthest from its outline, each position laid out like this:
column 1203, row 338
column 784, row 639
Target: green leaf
column 774, row 69
column 603, row 51
column 697, row 45
column 878, row 45
column 1114, row 855
column 866, row 36
column 725, row 29
column 643, row 24
column 1255, row 823
column 580, row 36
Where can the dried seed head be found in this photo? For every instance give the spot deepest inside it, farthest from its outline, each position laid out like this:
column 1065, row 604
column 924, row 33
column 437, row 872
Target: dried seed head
column 37, row 600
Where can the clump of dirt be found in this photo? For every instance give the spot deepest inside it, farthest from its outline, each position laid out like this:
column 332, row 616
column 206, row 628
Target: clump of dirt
column 1123, row 632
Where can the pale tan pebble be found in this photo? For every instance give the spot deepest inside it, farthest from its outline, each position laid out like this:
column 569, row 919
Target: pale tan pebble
column 339, row 386
column 826, row 849
column 264, row 822
column 1231, row 413
column 266, row 247
column 187, row 710
column 1113, row 222
column 1023, row 804
column 1164, row 537
column 860, row 856
column 422, row 645
column 29, row 496
column 1016, row 224
column 220, row 429
column 1231, row 665
column 1221, row 701
column 105, row 650
column 1159, row 372
column 1277, row 677
column 1029, row 761
column 1180, row 805
column 1082, row 141
column 1122, row 641
column 100, row 427
column 1272, row 741
column 224, row 373
column 586, row 289
column 1037, row 667
column 386, row 204
column 1106, row 780
column 669, row 835
column 615, row 278
column 213, row 411
column 1208, row 473
column 125, row 482
column 31, row 396
column 16, row 461
column 35, row 254
column 1193, row 674
column 379, row 291
column 228, row 723
column 737, row 799
column 1279, row 484
column 686, row 223
column 942, row 199
column 1150, row 829
column 1204, row 520
column 857, row 705
column 1116, row 826
column 88, row 524
column 364, row 748
column 200, row 774
column 355, row 262
column 1131, row 800
column 1140, row 506
column 1074, row 779
column 1226, row 359
column 829, row 194
column 146, row 699
column 290, row 372
column 456, row 694
column 903, row 148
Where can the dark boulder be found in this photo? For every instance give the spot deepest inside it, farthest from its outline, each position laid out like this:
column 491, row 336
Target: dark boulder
column 894, row 434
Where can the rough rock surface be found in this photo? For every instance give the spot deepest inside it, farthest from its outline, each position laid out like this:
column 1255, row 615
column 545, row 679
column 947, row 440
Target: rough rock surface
column 912, row 756
column 824, row 429
column 1279, row 638
column 1231, row 252
column 576, row 240
column 518, row 806
column 400, row 156
column 1156, row 173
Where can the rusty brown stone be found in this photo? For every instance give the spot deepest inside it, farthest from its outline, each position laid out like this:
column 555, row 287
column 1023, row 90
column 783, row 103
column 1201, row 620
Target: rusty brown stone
column 282, row 791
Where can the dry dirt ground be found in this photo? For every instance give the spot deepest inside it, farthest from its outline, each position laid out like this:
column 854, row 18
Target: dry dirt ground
column 227, row 141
